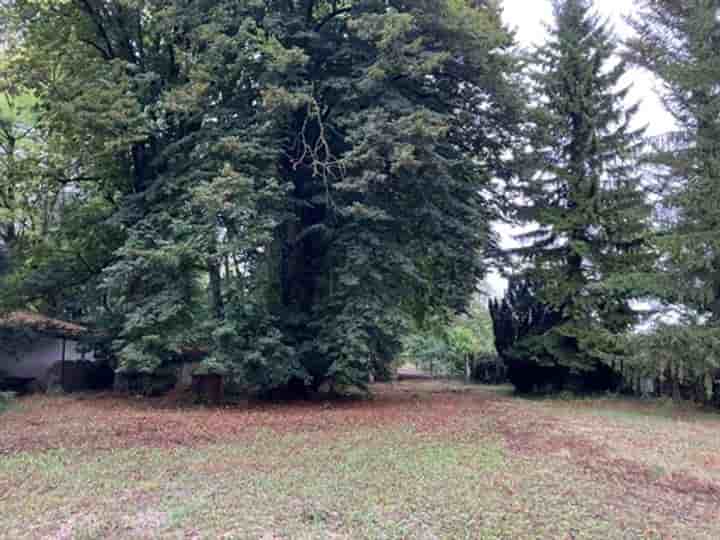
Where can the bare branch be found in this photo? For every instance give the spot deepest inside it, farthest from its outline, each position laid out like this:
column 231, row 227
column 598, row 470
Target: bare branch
column 330, row 16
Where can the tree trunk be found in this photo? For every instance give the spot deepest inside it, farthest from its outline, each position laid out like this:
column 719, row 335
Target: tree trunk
column 216, row 299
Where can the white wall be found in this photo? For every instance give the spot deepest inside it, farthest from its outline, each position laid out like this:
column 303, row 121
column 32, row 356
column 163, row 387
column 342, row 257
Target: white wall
column 35, row 359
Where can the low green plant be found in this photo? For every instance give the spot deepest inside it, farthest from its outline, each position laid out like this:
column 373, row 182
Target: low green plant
column 6, row 399
column 448, row 344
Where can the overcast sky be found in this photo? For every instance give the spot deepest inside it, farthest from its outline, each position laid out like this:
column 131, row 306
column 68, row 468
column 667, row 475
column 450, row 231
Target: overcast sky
column 528, row 18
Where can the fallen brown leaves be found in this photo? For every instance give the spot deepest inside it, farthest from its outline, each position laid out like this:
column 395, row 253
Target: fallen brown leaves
column 650, row 467
column 672, row 464
column 107, row 421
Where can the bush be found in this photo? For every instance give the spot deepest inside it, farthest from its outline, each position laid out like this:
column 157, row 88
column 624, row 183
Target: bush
column 681, row 361
column 6, row 399
column 539, row 358
column 489, row 369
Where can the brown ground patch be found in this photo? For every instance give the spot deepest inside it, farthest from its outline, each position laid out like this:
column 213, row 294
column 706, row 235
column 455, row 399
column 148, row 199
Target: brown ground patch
column 107, row 421
column 650, row 468
column 667, row 464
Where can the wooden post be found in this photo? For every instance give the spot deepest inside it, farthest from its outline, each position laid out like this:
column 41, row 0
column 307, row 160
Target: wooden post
column 62, row 366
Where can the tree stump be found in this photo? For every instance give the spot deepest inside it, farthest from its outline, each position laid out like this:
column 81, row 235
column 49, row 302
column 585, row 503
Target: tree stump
column 209, row 387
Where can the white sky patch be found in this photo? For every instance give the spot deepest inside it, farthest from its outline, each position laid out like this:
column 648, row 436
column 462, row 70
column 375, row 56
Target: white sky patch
column 529, row 19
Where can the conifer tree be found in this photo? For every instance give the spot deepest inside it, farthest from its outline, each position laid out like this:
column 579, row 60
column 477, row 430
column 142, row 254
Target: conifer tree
column 583, row 197
column 679, row 42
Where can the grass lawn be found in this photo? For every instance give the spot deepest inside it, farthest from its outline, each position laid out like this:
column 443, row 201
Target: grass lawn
column 422, row 460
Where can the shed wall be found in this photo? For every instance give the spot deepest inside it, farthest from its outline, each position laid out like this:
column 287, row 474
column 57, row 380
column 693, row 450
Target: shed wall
column 33, row 360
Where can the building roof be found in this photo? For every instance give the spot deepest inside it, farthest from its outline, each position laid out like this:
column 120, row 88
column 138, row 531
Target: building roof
column 41, row 323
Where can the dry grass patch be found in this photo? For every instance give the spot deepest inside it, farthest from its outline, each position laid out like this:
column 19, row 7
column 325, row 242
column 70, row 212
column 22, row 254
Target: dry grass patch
column 423, row 459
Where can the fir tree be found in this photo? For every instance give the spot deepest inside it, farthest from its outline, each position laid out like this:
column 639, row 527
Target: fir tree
column 678, row 42
column 583, row 194
column 520, row 320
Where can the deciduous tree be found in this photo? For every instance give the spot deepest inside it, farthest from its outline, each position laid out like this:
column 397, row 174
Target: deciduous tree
column 321, row 168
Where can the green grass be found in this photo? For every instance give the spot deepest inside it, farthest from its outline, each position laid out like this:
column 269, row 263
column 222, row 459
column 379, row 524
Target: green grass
column 635, row 408
column 368, row 485
column 389, row 481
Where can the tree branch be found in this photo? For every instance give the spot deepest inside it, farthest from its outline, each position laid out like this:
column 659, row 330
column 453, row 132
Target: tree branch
column 330, row 16
column 103, row 52
column 100, row 28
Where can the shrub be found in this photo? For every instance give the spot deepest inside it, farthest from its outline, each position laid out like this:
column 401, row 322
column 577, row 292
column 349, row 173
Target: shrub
column 538, row 359
column 6, row 399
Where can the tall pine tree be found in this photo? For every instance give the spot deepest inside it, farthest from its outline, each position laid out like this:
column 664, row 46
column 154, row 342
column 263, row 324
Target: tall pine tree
column 583, row 197
column 679, row 43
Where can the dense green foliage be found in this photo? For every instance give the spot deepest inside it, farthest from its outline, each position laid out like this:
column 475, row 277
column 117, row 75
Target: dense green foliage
column 580, row 191
column 678, row 42
column 301, row 192
column 26, row 201
column 452, row 344
column 43, row 262
column 520, row 322
column 285, row 184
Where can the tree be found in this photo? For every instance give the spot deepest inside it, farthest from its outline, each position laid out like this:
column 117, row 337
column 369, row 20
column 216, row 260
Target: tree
column 582, row 194
column 30, row 201
column 522, row 324
column 19, row 189
column 678, row 43
column 452, row 344
column 319, row 168
column 45, row 254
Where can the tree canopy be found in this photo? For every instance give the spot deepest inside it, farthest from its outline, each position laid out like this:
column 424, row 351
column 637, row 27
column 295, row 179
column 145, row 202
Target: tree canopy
column 301, row 192
column 678, row 42
column 320, row 168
